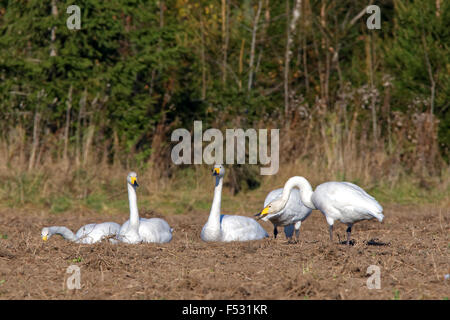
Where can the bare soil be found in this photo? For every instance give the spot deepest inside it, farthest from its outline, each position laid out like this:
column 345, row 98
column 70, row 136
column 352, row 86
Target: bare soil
column 411, row 247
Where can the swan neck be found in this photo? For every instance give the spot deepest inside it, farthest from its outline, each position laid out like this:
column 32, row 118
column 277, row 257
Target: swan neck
column 134, row 213
column 214, row 215
column 63, row 231
column 304, row 187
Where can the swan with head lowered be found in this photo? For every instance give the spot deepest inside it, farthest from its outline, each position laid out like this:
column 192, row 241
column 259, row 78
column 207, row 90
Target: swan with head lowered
column 137, row 230
column 342, row 201
column 290, row 216
column 227, row 228
column 90, row 233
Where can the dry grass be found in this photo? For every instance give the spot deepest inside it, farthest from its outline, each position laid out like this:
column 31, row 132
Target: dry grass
column 321, row 143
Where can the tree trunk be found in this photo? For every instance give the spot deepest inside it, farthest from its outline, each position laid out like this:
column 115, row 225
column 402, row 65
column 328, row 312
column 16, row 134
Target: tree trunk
column 291, row 27
column 325, row 46
column 67, row 127
column 430, row 74
column 81, row 112
column 263, row 34
column 161, row 25
column 225, row 37
column 53, row 32
column 202, row 31
column 252, row 50
column 438, row 8
column 241, row 63
column 37, row 118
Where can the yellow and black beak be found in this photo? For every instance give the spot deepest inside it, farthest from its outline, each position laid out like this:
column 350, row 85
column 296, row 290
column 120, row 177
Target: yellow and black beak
column 216, row 171
column 262, row 213
column 134, row 181
column 44, row 238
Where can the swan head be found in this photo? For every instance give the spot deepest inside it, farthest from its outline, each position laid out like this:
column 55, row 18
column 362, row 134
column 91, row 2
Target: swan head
column 45, row 234
column 218, row 170
column 132, row 179
column 273, row 207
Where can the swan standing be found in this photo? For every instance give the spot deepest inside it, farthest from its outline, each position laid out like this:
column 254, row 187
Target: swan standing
column 228, row 227
column 90, row 233
column 342, row 201
column 137, row 230
column 290, row 216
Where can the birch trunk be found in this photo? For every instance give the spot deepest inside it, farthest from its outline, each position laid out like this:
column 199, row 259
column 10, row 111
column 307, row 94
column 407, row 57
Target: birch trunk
column 225, row 37
column 252, row 48
column 66, row 129
column 37, row 118
column 53, row 31
column 290, row 34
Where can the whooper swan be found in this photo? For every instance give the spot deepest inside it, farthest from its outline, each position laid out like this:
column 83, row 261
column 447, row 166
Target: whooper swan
column 342, row 201
column 90, row 233
column 290, row 216
column 226, row 228
column 137, row 230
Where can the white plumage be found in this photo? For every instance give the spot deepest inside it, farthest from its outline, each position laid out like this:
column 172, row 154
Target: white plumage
column 346, row 202
column 228, row 227
column 342, row 201
column 150, row 230
column 291, row 216
column 137, row 230
column 90, row 233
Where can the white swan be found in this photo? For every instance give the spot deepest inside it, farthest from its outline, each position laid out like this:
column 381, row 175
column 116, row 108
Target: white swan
column 90, row 233
column 228, row 227
column 137, row 230
column 343, row 201
column 290, row 216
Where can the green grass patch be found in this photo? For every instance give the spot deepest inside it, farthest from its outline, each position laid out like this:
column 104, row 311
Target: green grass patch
column 60, row 204
column 189, row 190
column 396, row 295
column 408, row 192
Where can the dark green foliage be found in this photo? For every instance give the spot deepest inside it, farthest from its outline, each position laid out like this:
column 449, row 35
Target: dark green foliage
column 130, row 71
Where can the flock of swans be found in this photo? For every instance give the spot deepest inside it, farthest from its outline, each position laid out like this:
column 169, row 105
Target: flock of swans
column 287, row 207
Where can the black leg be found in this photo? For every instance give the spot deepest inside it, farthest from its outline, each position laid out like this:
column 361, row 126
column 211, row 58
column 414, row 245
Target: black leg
column 275, row 232
column 330, row 230
column 349, row 231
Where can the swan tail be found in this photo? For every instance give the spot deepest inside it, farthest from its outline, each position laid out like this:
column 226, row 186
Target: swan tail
column 378, row 215
column 377, row 211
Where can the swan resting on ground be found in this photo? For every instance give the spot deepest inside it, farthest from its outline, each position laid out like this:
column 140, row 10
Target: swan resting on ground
column 137, row 230
column 90, row 233
column 290, row 216
column 227, row 228
column 342, row 201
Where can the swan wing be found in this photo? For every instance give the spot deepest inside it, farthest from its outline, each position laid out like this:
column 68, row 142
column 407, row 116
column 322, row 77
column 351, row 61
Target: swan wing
column 294, row 210
column 351, row 201
column 85, row 230
column 240, row 228
column 93, row 232
column 155, row 230
column 108, row 229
